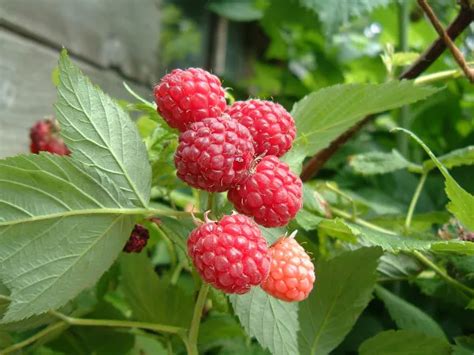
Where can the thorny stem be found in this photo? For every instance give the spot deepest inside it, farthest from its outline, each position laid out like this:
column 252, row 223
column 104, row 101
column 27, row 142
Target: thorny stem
column 196, row 321
column 414, row 200
column 447, row 40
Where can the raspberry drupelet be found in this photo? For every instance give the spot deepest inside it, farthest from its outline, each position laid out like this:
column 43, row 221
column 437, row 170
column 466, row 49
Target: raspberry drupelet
column 186, row 96
column 271, row 126
column 230, row 254
column 214, row 154
column 291, row 276
column 272, row 194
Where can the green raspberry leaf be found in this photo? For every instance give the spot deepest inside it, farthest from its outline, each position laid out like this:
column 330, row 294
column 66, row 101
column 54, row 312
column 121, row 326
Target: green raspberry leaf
column 101, row 134
column 325, row 114
column 378, row 163
column 343, row 289
column 407, row 342
column 408, row 316
column 62, row 224
column 272, row 322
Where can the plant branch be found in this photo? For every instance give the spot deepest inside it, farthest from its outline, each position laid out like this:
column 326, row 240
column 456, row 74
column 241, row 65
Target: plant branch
column 196, row 321
column 459, row 24
column 453, row 282
column 458, row 57
column 44, row 332
column 414, row 200
column 159, row 328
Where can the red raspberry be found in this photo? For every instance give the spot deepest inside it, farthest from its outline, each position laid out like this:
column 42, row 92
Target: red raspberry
column 272, row 194
column 214, row 154
column 186, row 96
column 272, row 127
column 45, row 137
column 291, row 275
column 138, row 239
column 230, row 254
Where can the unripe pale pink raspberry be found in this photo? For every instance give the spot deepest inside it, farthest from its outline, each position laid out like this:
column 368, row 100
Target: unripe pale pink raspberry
column 45, row 137
column 291, row 276
column 138, row 239
column 187, row 96
column 230, row 254
column 214, row 154
column 272, row 194
column 272, row 127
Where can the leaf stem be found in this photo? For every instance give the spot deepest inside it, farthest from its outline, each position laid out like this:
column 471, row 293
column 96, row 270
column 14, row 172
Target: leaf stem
column 442, row 75
column 414, row 200
column 360, row 221
column 138, row 97
column 196, row 321
column 49, row 329
column 159, row 328
column 423, row 259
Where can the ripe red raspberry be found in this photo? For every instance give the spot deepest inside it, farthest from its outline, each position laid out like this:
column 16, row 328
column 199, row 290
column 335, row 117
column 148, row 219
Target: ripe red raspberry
column 186, row 96
column 214, row 154
column 230, row 254
column 138, row 239
column 291, row 275
column 272, row 194
column 45, row 137
column 272, row 127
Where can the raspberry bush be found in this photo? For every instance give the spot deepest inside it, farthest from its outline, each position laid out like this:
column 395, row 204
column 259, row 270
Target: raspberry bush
column 197, row 226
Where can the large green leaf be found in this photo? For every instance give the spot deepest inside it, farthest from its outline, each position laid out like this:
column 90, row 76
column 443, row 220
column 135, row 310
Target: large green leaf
column 325, row 114
column 338, row 12
column 343, row 289
column 408, row 316
column 62, row 224
column 153, row 299
column 462, row 202
column 272, row 322
column 406, row 342
column 100, row 133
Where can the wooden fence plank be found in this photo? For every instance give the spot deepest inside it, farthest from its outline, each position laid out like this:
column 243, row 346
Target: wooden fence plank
column 27, row 93
column 122, row 34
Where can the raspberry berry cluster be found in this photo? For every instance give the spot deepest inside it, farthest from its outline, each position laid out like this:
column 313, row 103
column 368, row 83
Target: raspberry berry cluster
column 236, row 149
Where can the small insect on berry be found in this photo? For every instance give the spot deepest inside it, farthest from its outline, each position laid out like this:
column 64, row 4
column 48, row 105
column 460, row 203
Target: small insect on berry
column 138, row 239
column 214, row 154
column 272, row 194
column 231, row 254
column 271, row 126
column 45, row 137
column 187, row 96
column 291, row 276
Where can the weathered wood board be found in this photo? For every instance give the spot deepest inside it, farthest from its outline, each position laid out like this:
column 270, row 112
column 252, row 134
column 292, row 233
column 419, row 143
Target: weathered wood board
column 123, row 34
column 27, row 92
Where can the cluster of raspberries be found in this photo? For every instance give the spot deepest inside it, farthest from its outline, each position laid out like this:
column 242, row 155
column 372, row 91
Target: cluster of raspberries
column 237, row 149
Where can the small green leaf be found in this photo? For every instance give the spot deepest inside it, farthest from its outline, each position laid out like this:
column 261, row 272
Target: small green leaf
column 272, row 322
column 237, row 10
column 62, row 225
column 464, row 345
column 406, row 342
column 378, row 163
column 462, row 202
column 343, row 289
column 100, row 133
column 408, row 316
column 325, row 114
column 458, row 157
